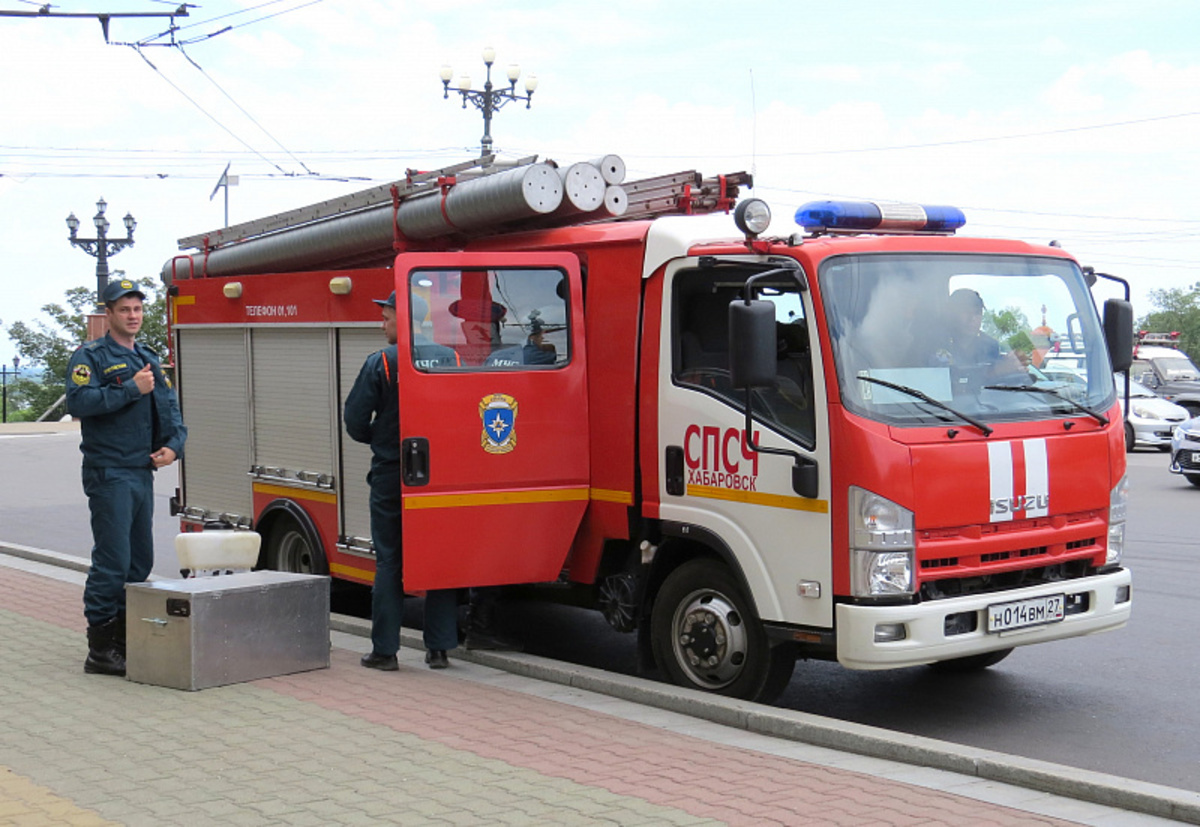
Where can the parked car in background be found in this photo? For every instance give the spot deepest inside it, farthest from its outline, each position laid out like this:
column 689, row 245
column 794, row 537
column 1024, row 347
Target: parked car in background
column 1151, row 419
column 1167, row 371
column 1185, row 450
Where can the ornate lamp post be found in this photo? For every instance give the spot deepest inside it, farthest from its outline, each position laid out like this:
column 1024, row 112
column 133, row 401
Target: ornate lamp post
column 5, row 373
column 101, row 246
column 490, row 99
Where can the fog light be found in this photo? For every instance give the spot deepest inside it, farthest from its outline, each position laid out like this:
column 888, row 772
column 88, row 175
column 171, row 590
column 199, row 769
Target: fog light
column 960, row 623
column 1123, row 594
column 890, row 632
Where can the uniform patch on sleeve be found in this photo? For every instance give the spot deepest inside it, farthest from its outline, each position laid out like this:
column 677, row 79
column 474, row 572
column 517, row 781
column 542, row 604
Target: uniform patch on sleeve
column 81, row 374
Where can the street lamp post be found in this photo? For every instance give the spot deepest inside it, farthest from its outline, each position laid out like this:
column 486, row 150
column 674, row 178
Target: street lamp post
column 4, row 374
column 490, row 99
column 101, row 247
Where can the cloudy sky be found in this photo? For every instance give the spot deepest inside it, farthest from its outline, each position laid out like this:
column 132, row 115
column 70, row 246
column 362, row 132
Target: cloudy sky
column 1073, row 120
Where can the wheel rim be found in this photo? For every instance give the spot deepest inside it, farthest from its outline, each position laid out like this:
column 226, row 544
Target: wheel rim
column 294, row 554
column 709, row 639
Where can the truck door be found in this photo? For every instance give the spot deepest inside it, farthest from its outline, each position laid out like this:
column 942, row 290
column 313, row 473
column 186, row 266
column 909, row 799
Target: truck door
column 492, row 378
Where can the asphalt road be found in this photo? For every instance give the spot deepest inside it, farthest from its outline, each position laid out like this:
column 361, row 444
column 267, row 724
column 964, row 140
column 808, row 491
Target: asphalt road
column 1122, row 703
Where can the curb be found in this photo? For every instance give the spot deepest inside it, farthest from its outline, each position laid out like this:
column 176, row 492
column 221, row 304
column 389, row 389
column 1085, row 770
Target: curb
column 875, row 742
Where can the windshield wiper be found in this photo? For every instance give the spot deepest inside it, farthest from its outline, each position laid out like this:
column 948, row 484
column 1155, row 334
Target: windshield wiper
column 924, row 397
column 1099, row 417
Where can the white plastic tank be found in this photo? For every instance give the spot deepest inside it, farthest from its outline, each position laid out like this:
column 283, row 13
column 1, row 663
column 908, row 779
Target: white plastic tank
column 217, row 551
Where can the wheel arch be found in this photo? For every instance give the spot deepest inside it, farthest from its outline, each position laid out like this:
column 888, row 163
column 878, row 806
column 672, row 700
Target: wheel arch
column 280, row 511
column 682, row 542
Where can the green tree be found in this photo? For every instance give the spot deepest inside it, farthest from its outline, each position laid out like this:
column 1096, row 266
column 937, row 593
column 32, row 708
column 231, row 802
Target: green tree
column 49, row 344
column 1009, row 326
column 1176, row 309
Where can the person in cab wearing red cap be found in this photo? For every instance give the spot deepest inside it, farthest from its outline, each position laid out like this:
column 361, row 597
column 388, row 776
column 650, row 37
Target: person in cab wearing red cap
column 130, row 427
column 372, row 414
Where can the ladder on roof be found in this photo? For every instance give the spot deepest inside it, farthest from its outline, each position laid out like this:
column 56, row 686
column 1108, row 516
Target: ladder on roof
column 681, row 193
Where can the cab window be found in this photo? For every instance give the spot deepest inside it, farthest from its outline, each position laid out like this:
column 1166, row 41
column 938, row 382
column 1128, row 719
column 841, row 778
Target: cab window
column 701, row 361
column 489, row 320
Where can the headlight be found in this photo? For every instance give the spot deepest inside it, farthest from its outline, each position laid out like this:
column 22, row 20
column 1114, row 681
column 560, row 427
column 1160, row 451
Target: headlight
column 1118, row 503
column 881, row 546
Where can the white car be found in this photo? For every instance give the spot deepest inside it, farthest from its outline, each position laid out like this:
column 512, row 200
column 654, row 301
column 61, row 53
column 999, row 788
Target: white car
column 1185, row 450
column 1151, row 419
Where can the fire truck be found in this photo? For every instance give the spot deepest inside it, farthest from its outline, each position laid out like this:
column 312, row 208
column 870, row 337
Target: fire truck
column 746, row 449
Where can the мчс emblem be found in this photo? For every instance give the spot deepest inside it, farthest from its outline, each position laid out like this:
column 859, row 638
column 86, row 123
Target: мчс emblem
column 81, row 374
column 499, row 415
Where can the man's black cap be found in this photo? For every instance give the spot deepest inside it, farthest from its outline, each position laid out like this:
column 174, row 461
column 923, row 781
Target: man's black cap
column 390, row 302
column 121, row 288
column 966, row 298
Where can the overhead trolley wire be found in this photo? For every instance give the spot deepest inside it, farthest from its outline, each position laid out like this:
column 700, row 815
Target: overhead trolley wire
column 241, row 109
column 205, row 112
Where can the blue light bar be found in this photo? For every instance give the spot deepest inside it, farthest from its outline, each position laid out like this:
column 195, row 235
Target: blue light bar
column 867, row 215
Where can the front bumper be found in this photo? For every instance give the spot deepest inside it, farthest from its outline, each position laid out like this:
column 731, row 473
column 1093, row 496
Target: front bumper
column 1153, row 434
column 1184, row 458
column 926, row 640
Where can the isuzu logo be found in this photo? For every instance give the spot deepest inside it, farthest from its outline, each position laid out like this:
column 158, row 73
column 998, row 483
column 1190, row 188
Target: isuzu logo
column 1026, row 503
column 1019, row 479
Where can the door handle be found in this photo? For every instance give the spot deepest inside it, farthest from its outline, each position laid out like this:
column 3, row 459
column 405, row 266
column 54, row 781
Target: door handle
column 415, row 456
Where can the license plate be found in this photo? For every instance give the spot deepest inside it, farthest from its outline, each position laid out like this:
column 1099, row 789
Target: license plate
column 1036, row 611
column 1195, row 457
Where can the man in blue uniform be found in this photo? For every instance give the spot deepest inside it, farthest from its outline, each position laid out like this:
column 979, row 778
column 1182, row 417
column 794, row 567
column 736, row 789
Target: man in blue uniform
column 130, row 426
column 372, row 415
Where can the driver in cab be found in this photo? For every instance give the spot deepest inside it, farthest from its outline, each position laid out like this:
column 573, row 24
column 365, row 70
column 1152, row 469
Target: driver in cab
column 966, row 345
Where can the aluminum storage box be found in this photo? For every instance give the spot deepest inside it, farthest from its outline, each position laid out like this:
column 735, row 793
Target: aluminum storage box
column 211, row 631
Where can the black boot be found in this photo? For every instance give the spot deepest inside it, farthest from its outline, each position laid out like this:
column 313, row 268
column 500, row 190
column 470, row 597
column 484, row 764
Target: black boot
column 481, row 632
column 119, row 635
column 103, row 656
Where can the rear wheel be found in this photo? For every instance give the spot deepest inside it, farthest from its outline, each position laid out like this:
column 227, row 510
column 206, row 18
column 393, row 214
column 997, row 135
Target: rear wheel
column 971, row 663
column 292, row 545
column 706, row 636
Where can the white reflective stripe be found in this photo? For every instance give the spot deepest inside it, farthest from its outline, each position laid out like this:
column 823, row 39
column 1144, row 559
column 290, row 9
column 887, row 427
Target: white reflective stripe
column 1000, row 473
column 1037, row 478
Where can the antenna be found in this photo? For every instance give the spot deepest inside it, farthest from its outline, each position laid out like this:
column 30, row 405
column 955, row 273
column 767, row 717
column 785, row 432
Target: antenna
column 226, row 180
column 753, row 130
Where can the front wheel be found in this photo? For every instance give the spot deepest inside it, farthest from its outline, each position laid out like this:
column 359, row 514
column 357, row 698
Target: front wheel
column 706, row 636
column 1130, row 442
column 1194, row 479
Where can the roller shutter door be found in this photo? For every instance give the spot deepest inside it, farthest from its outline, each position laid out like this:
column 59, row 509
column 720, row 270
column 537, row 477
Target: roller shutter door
column 354, row 345
column 214, row 398
column 294, row 416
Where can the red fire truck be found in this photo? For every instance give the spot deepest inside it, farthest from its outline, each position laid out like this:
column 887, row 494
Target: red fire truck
column 746, row 449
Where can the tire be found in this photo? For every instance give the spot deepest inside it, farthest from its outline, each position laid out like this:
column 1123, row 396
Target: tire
column 1194, row 479
column 1130, row 442
column 971, row 663
column 292, row 546
column 706, row 635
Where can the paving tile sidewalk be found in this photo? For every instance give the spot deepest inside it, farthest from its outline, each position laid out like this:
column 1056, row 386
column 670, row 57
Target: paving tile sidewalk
column 348, row 745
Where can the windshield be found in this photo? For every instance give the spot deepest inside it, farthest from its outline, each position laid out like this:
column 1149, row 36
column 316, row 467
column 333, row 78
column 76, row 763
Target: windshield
column 1135, row 390
column 1177, row 368
column 992, row 338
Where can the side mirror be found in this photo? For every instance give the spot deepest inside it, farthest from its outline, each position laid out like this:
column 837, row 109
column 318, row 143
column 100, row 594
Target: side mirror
column 1118, row 333
column 752, row 344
